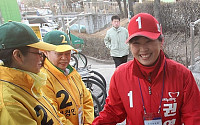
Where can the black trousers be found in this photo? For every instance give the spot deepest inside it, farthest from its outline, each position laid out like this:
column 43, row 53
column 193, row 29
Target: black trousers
column 120, row 60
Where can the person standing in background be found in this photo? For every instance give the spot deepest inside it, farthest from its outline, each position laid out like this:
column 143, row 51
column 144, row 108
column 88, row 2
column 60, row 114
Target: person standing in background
column 115, row 41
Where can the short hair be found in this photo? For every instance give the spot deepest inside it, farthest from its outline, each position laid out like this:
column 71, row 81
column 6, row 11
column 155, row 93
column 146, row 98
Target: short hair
column 115, row 17
column 6, row 54
column 160, row 38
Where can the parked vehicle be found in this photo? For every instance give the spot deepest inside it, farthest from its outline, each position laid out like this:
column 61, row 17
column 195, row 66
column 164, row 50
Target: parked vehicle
column 45, row 30
column 51, row 25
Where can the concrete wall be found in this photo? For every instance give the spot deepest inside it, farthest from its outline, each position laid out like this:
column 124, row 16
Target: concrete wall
column 101, row 7
column 94, row 22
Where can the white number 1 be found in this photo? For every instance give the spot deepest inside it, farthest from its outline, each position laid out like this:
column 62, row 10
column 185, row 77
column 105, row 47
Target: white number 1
column 139, row 22
column 130, row 94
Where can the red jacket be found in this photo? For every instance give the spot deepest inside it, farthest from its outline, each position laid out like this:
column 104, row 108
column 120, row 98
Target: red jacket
column 180, row 102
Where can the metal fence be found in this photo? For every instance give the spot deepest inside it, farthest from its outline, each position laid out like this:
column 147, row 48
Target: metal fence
column 192, row 28
column 195, row 62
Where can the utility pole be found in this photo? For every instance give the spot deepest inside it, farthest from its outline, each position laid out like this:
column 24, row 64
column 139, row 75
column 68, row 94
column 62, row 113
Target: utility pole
column 157, row 10
column 62, row 20
column 192, row 24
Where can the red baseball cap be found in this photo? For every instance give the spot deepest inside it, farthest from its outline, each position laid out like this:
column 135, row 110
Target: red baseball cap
column 144, row 24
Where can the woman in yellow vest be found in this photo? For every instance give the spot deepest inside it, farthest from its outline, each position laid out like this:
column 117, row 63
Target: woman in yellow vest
column 21, row 99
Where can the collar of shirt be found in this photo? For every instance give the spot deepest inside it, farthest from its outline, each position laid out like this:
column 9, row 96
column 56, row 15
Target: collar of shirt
column 117, row 29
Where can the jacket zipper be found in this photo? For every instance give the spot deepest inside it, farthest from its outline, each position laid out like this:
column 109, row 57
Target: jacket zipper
column 149, row 90
column 149, row 80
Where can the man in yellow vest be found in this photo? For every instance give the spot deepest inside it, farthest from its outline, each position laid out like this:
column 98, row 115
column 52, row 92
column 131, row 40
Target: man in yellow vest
column 65, row 87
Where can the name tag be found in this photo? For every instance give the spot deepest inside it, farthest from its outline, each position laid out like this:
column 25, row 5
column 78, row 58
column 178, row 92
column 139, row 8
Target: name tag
column 153, row 122
column 80, row 116
column 152, row 119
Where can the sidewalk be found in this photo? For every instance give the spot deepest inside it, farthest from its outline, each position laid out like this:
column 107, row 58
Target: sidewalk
column 101, row 61
column 106, row 68
column 104, row 61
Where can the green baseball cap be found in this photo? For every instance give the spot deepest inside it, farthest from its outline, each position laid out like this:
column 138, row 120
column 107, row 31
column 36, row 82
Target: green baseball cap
column 16, row 34
column 60, row 39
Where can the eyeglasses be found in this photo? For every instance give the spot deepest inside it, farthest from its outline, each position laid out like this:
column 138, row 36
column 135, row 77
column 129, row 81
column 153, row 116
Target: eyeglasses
column 41, row 54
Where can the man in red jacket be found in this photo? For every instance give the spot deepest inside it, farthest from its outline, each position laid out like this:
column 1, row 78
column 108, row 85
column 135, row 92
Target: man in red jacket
column 151, row 89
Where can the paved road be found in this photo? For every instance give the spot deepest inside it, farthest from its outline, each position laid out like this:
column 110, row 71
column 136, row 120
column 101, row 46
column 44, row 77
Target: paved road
column 106, row 69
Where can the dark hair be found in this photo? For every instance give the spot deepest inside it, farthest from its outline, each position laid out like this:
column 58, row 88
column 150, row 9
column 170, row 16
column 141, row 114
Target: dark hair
column 160, row 38
column 115, row 17
column 6, row 54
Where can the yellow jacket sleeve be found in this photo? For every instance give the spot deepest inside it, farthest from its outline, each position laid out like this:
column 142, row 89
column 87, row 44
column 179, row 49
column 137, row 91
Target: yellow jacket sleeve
column 16, row 115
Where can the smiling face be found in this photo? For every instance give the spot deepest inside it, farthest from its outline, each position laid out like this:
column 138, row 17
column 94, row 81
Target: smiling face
column 145, row 50
column 59, row 59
